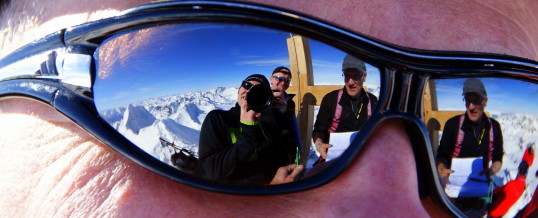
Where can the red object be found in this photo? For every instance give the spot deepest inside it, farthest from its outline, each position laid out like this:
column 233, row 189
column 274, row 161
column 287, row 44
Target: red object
column 532, row 206
column 506, row 196
column 529, row 157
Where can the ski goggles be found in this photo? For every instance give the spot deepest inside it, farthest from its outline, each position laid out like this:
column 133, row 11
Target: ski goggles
column 171, row 62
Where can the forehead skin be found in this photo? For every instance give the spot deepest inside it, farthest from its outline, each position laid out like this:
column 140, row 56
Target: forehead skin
column 506, row 27
column 78, row 175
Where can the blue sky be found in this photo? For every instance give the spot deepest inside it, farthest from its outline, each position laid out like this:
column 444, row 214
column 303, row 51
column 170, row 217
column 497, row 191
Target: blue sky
column 206, row 56
column 504, row 95
column 196, row 57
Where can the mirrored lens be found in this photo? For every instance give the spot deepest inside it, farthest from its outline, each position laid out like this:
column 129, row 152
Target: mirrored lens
column 174, row 91
column 473, row 158
column 282, row 79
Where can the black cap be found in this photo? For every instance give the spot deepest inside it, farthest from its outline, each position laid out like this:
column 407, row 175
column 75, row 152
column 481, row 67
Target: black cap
column 353, row 62
column 279, row 70
column 259, row 78
column 473, row 85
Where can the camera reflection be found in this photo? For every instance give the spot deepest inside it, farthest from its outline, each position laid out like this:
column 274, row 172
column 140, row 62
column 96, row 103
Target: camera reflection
column 244, row 146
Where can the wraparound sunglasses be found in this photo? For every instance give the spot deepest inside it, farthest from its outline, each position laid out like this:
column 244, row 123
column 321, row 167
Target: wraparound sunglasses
column 68, row 70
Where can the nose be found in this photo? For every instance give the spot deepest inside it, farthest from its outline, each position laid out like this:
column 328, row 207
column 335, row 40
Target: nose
column 472, row 105
column 384, row 172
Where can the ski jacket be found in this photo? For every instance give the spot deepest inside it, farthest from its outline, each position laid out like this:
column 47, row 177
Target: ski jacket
column 291, row 103
column 506, row 196
column 531, row 210
column 232, row 151
column 471, row 145
column 529, row 158
column 350, row 120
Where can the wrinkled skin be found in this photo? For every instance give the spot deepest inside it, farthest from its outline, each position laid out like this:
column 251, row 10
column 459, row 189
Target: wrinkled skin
column 51, row 167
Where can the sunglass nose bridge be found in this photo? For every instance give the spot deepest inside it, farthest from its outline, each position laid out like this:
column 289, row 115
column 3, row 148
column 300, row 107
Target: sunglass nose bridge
column 404, row 92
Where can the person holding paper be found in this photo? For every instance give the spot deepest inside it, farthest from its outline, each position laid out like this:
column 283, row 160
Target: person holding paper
column 472, row 134
column 346, row 109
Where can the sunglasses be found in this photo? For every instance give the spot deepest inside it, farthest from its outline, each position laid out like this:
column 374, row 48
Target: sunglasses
column 85, row 71
column 282, row 79
column 246, row 85
column 477, row 100
column 354, row 76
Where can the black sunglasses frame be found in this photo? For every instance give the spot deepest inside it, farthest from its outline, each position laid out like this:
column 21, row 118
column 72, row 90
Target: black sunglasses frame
column 246, row 85
column 404, row 74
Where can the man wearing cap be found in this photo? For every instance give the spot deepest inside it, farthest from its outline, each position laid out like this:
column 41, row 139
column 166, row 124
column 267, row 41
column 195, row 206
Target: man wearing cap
column 346, row 109
column 472, row 134
column 236, row 148
column 282, row 115
column 280, row 82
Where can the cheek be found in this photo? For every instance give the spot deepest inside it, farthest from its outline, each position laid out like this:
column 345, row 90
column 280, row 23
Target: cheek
column 52, row 160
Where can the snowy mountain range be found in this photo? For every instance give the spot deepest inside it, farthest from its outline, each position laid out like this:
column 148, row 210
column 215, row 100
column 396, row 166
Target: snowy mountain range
column 175, row 118
column 178, row 119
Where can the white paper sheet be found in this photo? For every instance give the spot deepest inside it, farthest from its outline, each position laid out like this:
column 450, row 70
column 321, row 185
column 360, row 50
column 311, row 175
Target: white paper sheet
column 466, row 180
column 340, row 142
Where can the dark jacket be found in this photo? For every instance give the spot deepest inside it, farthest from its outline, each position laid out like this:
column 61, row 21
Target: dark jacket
column 348, row 120
column 233, row 152
column 284, row 127
column 470, row 146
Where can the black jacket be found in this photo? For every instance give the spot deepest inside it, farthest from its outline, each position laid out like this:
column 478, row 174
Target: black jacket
column 254, row 157
column 470, row 146
column 348, row 120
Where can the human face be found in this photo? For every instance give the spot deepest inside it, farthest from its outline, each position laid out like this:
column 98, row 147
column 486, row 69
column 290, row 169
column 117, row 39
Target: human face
column 80, row 170
column 354, row 80
column 475, row 105
column 280, row 83
column 244, row 89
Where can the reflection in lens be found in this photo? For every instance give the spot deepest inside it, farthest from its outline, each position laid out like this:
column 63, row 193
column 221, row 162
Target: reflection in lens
column 171, row 94
column 473, row 158
column 343, row 112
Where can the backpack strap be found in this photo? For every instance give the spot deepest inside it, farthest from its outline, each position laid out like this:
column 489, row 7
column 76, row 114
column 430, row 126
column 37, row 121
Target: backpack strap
column 459, row 140
column 491, row 147
column 337, row 112
column 369, row 106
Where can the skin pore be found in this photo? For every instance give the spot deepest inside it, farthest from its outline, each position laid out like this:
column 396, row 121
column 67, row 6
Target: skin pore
column 51, row 166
